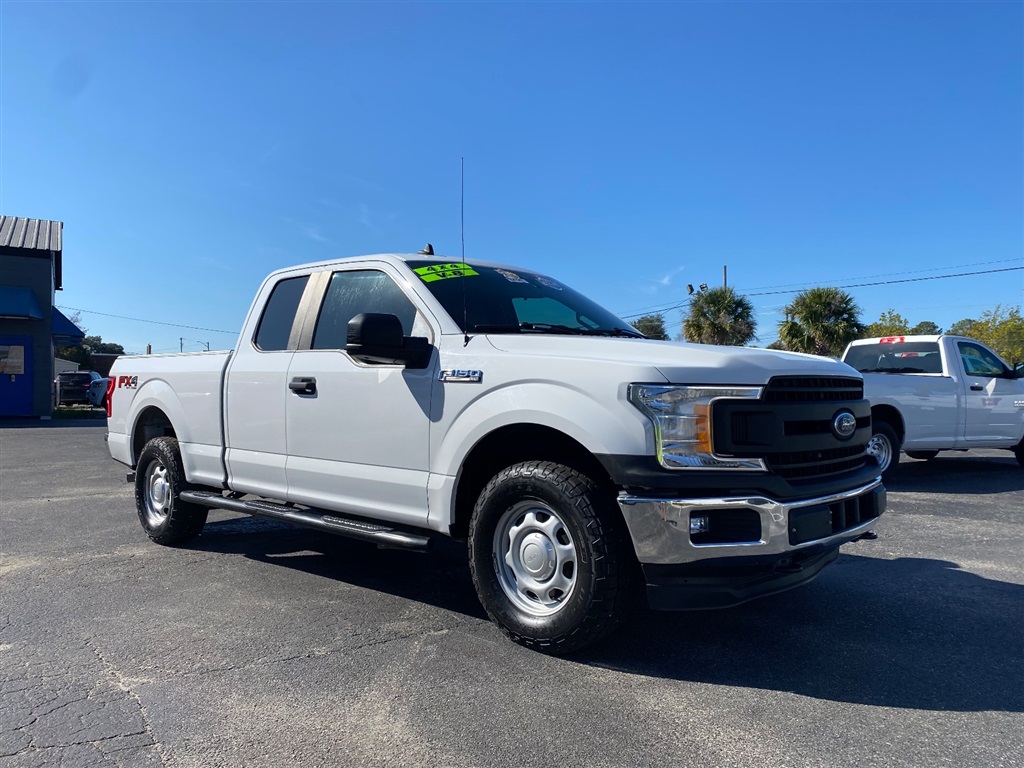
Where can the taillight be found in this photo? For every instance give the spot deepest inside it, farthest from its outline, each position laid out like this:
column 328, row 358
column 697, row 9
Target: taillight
column 111, row 384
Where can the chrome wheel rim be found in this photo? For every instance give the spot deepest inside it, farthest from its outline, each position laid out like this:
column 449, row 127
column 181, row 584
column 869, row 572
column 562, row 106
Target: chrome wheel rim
column 535, row 558
column 880, row 447
column 157, row 489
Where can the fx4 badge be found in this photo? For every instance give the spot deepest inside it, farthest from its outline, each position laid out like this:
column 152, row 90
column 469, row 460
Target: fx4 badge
column 127, row 382
column 461, row 376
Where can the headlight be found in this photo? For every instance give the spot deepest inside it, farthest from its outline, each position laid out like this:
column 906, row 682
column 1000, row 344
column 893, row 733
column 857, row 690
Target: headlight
column 682, row 424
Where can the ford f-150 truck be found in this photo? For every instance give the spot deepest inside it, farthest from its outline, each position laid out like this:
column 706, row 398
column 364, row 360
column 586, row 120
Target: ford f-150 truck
column 938, row 393
column 396, row 398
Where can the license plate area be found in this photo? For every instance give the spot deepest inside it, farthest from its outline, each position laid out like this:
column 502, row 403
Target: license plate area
column 810, row 523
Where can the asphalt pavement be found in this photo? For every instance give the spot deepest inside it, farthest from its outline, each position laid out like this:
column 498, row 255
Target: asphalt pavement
column 266, row 645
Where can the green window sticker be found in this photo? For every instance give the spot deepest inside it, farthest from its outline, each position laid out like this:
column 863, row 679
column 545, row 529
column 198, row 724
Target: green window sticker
column 444, row 272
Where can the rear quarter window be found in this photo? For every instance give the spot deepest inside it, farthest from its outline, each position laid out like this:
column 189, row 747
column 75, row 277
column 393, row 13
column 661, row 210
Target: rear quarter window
column 275, row 326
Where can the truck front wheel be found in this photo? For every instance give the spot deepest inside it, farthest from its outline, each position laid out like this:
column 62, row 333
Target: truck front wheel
column 550, row 557
column 884, row 445
column 159, row 478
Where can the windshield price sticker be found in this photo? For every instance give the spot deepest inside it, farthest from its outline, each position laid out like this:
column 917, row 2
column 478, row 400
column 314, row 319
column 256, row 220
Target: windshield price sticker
column 547, row 282
column 444, row 272
column 512, row 277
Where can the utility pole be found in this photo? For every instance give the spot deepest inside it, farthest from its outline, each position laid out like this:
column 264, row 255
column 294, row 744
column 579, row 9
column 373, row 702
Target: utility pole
column 181, row 343
column 725, row 279
column 207, row 345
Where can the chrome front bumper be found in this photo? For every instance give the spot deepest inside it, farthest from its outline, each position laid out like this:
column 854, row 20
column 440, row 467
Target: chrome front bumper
column 660, row 528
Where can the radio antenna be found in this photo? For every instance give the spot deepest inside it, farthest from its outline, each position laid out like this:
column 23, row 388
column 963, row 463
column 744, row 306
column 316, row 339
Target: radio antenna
column 462, row 224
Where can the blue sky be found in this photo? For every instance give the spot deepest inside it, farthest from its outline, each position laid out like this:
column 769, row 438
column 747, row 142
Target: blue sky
column 627, row 149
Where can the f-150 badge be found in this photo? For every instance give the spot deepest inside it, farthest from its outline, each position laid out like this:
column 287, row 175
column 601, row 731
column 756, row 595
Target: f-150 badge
column 461, row 376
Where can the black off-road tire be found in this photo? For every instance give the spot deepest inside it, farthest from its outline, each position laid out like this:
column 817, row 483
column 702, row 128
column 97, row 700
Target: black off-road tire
column 159, row 479
column 885, row 446
column 923, row 455
column 550, row 518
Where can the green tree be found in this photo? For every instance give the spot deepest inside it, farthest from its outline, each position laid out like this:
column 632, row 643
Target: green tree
column 82, row 353
column 926, row 328
column 652, row 326
column 821, row 321
column 890, row 323
column 963, row 327
column 720, row 316
column 1002, row 329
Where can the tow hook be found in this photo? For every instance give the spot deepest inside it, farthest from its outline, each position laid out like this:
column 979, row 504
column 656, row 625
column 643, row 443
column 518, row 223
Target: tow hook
column 867, row 536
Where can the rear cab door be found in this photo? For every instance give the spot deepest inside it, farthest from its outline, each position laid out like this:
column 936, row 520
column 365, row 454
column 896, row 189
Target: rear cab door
column 256, row 386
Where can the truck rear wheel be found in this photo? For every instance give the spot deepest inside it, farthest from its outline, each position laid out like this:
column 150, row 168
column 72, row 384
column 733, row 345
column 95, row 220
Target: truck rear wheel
column 159, row 478
column 884, row 445
column 550, row 557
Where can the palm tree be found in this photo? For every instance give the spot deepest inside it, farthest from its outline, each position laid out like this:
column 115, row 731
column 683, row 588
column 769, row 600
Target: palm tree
column 720, row 316
column 821, row 321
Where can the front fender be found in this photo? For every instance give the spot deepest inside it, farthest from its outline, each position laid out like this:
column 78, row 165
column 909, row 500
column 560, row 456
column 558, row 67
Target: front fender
column 611, row 426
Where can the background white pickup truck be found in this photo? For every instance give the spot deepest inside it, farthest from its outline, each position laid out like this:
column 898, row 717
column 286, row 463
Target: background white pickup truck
column 394, row 398
column 938, row 393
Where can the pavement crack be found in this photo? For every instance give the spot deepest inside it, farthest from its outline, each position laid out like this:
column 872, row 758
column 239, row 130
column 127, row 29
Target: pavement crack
column 125, row 686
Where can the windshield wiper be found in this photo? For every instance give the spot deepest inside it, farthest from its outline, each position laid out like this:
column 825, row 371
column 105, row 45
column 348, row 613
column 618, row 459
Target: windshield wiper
column 617, row 332
column 529, row 327
column 556, row 328
column 893, row 370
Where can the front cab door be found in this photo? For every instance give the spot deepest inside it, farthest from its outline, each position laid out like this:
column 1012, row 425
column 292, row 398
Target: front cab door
column 358, row 433
column 992, row 392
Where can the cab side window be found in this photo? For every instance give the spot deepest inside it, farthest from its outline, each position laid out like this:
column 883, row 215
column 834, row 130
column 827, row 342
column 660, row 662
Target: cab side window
column 275, row 326
column 978, row 361
column 364, row 290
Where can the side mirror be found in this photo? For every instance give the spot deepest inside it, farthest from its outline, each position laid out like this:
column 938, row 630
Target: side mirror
column 377, row 339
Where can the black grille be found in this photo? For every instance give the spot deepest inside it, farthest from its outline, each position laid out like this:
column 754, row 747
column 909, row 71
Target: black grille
column 813, row 465
column 816, row 389
column 791, row 427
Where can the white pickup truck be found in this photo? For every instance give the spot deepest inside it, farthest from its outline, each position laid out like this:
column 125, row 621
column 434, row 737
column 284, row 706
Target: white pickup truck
column 938, row 393
column 396, row 398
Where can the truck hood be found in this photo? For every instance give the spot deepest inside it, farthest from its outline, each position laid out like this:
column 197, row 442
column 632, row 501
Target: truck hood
column 677, row 362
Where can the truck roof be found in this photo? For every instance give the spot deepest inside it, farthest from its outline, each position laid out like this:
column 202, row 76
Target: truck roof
column 396, row 259
column 895, row 339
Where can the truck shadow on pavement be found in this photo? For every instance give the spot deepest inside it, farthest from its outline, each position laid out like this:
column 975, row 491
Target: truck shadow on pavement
column 952, row 474
column 909, row 633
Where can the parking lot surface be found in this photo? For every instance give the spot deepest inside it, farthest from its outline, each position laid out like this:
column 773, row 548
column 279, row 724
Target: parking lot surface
column 266, row 645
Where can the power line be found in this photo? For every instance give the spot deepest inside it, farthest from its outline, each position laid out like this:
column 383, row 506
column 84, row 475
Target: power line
column 666, row 307
column 141, row 320
column 854, row 285
column 905, row 280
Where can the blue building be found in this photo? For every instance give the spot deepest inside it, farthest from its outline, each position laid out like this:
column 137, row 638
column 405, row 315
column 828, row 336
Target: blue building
column 30, row 326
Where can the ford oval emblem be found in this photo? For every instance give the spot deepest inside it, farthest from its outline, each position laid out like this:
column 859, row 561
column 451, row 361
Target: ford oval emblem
column 844, row 425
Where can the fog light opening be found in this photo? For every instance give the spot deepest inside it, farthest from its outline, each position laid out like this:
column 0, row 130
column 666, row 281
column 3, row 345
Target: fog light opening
column 699, row 524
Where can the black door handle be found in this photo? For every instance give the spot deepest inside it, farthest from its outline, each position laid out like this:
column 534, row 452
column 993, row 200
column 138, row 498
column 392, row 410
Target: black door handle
column 976, row 387
column 303, row 385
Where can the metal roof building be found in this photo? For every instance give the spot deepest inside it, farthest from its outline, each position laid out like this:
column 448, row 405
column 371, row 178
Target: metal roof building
column 31, row 253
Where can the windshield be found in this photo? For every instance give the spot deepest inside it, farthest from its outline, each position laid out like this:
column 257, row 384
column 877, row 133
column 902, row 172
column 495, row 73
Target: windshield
column 498, row 300
column 905, row 357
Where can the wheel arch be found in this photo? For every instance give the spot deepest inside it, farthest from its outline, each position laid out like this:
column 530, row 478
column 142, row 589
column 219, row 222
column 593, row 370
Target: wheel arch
column 151, row 422
column 891, row 416
column 512, row 444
